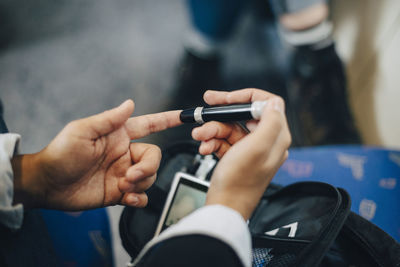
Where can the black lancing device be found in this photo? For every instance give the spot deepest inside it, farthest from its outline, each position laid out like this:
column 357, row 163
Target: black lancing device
column 231, row 113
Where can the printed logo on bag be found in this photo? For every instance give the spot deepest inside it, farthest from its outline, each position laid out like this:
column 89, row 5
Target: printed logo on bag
column 388, row 183
column 395, row 157
column 292, row 232
column 367, row 209
column 355, row 163
column 298, row 169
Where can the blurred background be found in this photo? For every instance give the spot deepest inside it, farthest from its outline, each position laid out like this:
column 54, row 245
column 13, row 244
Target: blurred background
column 64, row 60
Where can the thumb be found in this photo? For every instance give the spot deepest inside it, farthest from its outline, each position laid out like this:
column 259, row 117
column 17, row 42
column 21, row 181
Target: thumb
column 271, row 123
column 109, row 120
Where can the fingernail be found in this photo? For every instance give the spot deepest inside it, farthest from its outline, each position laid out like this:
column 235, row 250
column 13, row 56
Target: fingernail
column 205, row 146
column 133, row 200
column 134, row 174
column 206, row 94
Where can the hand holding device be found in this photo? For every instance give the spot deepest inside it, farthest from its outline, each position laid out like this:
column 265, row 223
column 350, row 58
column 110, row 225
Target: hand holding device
column 249, row 161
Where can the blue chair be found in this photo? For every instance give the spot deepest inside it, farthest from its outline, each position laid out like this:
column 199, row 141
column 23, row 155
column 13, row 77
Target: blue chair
column 369, row 174
column 80, row 238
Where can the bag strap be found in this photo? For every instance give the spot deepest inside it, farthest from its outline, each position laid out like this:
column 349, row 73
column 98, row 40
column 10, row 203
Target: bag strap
column 313, row 254
column 382, row 248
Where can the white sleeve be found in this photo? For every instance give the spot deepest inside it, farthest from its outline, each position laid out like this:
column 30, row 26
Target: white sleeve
column 216, row 221
column 11, row 215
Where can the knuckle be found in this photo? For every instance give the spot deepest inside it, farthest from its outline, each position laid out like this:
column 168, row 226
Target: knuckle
column 152, row 127
column 156, row 150
column 268, row 167
column 281, row 102
column 288, row 139
column 286, row 156
column 149, row 181
column 73, row 124
column 279, row 99
column 254, row 90
column 196, row 133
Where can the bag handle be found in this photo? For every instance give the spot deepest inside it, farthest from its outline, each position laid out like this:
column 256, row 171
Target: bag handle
column 313, row 254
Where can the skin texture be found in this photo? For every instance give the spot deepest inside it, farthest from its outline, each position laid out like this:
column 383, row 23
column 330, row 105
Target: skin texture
column 91, row 163
column 248, row 160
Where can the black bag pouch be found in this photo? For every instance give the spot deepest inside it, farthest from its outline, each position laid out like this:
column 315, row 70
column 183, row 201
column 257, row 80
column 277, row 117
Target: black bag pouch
column 303, row 224
column 137, row 226
column 361, row 243
column 296, row 225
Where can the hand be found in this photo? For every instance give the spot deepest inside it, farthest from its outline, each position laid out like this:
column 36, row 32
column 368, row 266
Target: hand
column 92, row 163
column 249, row 161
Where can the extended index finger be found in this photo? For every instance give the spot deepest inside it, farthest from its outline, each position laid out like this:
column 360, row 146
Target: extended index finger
column 142, row 126
column 238, row 96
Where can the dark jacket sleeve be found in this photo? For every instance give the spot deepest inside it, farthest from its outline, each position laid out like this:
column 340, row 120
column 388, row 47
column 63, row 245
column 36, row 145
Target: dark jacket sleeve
column 190, row 250
column 3, row 126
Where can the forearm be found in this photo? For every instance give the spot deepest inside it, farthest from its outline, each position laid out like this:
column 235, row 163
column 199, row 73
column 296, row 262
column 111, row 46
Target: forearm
column 28, row 182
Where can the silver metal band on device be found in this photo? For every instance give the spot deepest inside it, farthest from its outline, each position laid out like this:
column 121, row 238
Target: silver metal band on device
column 257, row 108
column 197, row 115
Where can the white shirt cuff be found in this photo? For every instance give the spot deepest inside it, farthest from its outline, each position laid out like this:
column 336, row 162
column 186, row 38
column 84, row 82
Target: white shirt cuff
column 11, row 215
column 216, row 221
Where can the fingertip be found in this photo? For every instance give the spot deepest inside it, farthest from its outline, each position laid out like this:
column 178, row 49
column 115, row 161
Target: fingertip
column 277, row 104
column 128, row 104
column 125, row 186
column 210, row 95
column 125, row 109
column 207, row 94
column 196, row 132
column 133, row 174
column 136, row 200
column 204, row 148
column 128, row 101
column 132, row 200
column 204, row 132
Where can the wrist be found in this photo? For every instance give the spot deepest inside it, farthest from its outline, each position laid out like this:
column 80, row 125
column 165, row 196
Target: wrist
column 242, row 202
column 228, row 188
column 29, row 186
